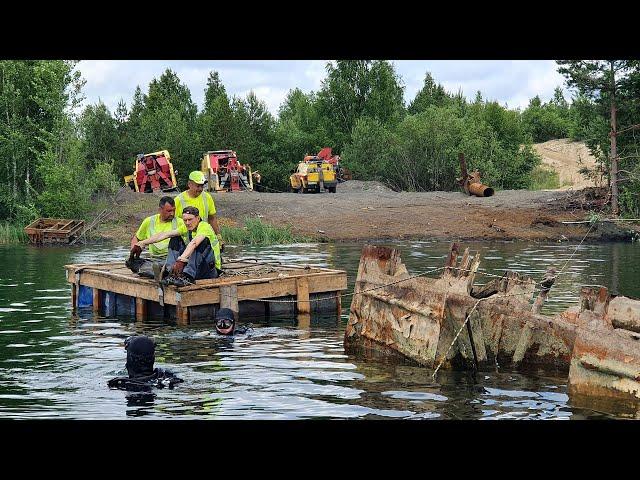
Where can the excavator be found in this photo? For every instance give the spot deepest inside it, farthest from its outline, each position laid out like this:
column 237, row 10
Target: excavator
column 152, row 172
column 224, row 173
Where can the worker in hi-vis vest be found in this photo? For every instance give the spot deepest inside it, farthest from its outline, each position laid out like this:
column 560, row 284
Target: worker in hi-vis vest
column 203, row 201
column 163, row 221
column 194, row 259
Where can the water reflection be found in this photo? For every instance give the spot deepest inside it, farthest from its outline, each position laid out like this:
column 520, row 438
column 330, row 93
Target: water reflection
column 55, row 365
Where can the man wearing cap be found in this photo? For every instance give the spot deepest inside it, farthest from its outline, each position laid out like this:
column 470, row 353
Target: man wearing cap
column 196, row 197
column 195, row 260
column 164, row 220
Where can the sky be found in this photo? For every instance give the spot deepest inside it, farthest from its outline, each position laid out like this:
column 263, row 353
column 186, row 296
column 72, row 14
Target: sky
column 510, row 82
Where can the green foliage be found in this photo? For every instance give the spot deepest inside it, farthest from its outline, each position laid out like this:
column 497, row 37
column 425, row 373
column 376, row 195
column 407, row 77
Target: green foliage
column 432, row 93
column 66, row 192
column 34, row 98
column 601, row 84
column 544, row 179
column 257, row 232
column 355, row 89
column 216, row 122
column 12, row 234
column 55, row 164
column 547, row 121
column 370, row 151
column 165, row 119
column 421, row 152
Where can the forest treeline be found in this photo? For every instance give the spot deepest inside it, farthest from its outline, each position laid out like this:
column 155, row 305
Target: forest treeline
column 54, row 158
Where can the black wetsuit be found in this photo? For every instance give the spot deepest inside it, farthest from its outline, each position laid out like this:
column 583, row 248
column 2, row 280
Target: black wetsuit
column 142, row 375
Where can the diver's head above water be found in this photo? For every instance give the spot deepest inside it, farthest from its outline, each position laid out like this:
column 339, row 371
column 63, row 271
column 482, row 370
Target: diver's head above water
column 225, row 322
column 140, row 356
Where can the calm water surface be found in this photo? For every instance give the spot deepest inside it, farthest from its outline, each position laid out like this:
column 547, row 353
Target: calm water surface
column 56, row 365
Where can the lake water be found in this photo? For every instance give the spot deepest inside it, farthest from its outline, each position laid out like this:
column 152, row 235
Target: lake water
column 56, row 365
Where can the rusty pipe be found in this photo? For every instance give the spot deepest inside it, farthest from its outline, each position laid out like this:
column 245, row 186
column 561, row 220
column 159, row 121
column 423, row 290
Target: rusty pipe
column 480, row 190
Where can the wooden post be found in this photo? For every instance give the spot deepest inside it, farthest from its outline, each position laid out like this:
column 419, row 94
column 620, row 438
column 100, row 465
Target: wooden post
column 464, row 179
column 141, row 309
column 451, row 259
column 614, row 148
column 97, row 304
column 182, row 315
column 74, row 296
column 229, row 299
column 304, row 320
column 546, row 284
column 302, row 295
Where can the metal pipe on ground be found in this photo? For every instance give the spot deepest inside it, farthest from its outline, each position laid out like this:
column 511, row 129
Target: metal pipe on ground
column 480, row 190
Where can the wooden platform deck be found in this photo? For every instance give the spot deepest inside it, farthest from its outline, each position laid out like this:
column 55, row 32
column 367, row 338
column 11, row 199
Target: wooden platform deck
column 247, row 287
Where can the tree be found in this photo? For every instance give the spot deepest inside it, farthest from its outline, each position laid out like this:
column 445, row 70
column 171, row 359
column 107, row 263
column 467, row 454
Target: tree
column 215, row 123
column 253, row 129
column 357, row 88
column 36, row 101
column 432, row 93
column 99, row 133
column 607, row 83
column 165, row 118
column 298, row 131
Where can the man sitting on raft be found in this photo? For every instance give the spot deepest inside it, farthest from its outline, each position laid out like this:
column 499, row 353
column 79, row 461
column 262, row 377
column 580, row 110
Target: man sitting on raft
column 194, row 250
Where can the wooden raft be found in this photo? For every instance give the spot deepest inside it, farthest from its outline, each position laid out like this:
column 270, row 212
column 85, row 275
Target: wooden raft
column 112, row 289
column 54, row 230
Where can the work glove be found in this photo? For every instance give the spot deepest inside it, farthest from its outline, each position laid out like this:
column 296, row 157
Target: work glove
column 136, row 250
column 221, row 243
column 178, row 267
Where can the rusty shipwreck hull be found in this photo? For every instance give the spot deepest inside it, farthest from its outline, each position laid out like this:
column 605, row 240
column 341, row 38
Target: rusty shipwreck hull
column 498, row 323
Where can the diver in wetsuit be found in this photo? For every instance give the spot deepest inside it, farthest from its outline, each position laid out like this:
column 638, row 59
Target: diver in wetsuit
column 142, row 375
column 226, row 323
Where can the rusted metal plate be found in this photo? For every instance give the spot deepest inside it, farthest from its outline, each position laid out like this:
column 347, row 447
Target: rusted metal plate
column 447, row 322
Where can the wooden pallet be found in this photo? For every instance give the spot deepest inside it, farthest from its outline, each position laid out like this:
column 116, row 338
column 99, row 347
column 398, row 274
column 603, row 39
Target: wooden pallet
column 54, row 230
column 245, row 284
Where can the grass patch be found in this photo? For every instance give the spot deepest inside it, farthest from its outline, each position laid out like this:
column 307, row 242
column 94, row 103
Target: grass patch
column 544, row 179
column 256, row 232
column 12, row 234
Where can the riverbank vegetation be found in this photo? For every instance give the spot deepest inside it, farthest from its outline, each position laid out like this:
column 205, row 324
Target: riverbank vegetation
column 256, row 232
column 11, row 234
column 57, row 158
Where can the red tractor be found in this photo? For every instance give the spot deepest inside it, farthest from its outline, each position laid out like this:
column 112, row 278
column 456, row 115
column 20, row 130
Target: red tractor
column 152, row 172
column 226, row 174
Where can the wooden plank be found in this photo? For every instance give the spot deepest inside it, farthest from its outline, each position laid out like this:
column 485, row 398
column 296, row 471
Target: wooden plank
column 141, row 309
column 229, row 299
column 148, row 292
column 97, row 303
column 302, row 295
column 66, row 224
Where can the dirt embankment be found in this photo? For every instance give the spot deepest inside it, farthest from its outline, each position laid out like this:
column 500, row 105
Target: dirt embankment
column 368, row 210
column 568, row 158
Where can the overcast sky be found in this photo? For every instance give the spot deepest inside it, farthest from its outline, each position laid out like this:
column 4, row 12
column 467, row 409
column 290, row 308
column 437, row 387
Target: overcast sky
column 509, row 82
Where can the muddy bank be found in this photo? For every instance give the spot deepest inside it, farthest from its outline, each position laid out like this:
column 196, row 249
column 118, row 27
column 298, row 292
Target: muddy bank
column 369, row 210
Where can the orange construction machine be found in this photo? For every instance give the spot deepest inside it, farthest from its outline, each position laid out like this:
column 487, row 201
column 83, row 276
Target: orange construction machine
column 152, row 172
column 342, row 174
column 224, row 173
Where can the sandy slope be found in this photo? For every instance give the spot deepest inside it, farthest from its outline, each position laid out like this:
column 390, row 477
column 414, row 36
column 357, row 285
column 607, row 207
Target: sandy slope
column 567, row 158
